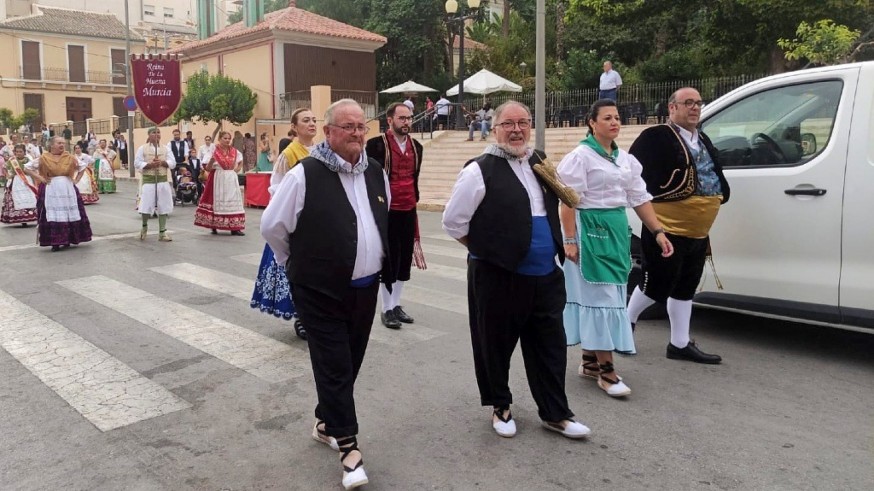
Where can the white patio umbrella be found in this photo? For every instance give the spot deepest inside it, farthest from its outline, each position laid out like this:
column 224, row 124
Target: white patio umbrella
column 485, row 82
column 408, row 87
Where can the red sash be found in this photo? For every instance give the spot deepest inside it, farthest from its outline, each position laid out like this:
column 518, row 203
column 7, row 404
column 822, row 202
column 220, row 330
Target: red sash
column 21, row 175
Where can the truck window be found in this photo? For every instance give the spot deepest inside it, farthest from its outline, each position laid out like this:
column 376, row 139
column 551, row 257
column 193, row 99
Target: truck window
column 784, row 126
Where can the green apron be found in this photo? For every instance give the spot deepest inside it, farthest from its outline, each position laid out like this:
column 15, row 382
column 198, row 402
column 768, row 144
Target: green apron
column 605, row 245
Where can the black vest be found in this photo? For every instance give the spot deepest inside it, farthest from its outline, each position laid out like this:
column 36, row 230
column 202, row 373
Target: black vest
column 500, row 229
column 323, row 246
column 178, row 149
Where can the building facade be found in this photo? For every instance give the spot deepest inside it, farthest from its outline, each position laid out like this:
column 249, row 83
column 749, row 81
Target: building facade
column 282, row 56
column 67, row 64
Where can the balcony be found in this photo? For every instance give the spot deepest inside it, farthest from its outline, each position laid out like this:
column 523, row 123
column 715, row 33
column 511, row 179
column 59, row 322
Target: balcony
column 71, row 76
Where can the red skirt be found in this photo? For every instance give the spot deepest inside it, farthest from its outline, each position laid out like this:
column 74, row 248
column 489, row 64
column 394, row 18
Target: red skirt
column 205, row 215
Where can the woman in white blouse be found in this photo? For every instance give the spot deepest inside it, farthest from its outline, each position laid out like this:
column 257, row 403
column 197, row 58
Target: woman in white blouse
column 597, row 243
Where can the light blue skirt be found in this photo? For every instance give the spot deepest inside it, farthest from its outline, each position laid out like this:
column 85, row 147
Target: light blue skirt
column 272, row 293
column 595, row 315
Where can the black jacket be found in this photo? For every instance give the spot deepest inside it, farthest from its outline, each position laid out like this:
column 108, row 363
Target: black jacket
column 668, row 169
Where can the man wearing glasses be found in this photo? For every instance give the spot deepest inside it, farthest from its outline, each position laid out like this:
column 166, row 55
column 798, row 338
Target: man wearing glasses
column 328, row 223
column 401, row 158
column 682, row 172
column 507, row 216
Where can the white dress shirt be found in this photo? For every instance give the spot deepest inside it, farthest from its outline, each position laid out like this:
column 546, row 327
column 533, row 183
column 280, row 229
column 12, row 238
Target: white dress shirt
column 205, row 151
column 280, row 219
column 690, row 137
column 610, row 80
column 185, row 149
column 602, row 184
column 470, row 189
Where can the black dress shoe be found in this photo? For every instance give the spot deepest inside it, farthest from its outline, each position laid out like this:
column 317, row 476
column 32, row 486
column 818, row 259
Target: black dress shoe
column 401, row 315
column 692, row 353
column 238, row 232
column 390, row 321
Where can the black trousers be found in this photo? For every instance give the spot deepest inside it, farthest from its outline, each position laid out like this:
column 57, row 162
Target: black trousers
column 676, row 276
column 401, row 237
column 506, row 308
column 337, row 334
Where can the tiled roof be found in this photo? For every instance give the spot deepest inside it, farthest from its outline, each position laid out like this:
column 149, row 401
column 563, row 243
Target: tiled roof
column 290, row 19
column 70, row 22
column 469, row 44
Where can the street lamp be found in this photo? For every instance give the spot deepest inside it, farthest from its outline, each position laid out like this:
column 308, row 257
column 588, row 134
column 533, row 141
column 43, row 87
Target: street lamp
column 451, row 7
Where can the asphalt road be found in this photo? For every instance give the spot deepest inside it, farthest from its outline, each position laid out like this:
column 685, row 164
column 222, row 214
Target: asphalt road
column 140, row 365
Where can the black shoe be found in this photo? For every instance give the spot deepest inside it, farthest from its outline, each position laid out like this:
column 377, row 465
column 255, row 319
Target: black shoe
column 402, row 316
column 390, row 321
column 238, row 232
column 56, row 248
column 214, row 232
column 299, row 329
column 692, row 353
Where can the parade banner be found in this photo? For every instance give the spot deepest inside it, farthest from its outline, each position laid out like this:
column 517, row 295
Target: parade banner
column 157, row 83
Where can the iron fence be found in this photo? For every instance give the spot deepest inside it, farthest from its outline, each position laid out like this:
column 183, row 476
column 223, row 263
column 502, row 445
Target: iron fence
column 51, row 74
column 638, row 103
column 367, row 99
column 291, row 101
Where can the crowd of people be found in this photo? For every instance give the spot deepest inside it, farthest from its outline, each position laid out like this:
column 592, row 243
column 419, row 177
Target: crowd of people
column 548, row 245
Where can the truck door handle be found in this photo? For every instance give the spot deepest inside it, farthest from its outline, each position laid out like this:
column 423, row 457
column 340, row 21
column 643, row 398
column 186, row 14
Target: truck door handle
column 805, row 192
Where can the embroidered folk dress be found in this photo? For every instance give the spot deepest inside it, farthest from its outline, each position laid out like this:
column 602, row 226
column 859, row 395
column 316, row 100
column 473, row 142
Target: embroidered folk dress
column 595, row 315
column 221, row 206
column 19, row 201
column 87, row 185
column 103, row 166
column 60, row 210
column 272, row 293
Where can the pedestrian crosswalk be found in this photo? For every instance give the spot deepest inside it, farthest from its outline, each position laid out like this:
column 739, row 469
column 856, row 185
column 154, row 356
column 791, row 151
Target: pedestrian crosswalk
column 110, row 394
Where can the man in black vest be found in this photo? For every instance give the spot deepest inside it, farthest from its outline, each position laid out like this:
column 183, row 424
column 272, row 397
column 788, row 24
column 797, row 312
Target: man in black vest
column 400, row 155
column 179, row 149
column 682, row 172
column 507, row 216
column 328, row 222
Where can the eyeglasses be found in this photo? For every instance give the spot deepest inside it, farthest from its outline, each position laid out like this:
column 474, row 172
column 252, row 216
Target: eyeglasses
column 689, row 103
column 351, row 128
column 403, row 118
column 523, row 124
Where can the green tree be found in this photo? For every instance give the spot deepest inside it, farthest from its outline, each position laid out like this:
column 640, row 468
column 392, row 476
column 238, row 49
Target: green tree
column 216, row 98
column 822, row 43
column 8, row 120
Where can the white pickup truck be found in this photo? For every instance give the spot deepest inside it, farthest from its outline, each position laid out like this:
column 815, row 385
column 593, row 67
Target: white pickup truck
column 796, row 240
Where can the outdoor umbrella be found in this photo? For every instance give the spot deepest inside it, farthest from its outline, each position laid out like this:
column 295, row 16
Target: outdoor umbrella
column 485, row 82
column 408, row 87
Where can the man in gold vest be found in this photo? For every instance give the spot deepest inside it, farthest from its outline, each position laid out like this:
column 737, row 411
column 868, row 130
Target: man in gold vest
column 156, row 195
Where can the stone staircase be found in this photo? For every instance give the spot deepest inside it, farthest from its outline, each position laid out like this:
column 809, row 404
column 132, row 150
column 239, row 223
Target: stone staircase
column 444, row 156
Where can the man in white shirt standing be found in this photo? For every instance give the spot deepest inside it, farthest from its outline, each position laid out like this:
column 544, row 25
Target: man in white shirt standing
column 328, row 223
column 32, row 150
column 206, row 150
column 443, row 107
column 608, row 87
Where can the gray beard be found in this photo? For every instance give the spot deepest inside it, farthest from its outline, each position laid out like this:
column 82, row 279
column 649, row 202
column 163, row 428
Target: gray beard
column 514, row 151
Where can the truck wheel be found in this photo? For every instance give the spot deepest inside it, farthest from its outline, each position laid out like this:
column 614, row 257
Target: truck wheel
column 656, row 311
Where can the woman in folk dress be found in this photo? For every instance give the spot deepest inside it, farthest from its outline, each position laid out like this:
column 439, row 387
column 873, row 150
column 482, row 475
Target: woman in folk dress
column 221, row 206
column 87, row 184
column 19, row 202
column 61, row 214
column 272, row 290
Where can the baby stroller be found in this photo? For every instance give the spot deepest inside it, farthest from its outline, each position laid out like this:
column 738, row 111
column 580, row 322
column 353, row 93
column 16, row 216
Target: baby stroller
column 186, row 188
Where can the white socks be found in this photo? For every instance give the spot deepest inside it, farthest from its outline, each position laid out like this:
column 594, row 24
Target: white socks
column 393, row 299
column 679, row 313
column 638, row 303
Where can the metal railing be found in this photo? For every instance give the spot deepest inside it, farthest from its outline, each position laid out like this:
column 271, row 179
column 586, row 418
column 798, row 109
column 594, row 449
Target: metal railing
column 51, row 74
column 639, row 103
column 367, row 99
column 290, row 101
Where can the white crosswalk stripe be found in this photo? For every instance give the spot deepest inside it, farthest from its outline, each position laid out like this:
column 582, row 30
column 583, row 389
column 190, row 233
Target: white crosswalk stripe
column 264, row 357
column 242, row 288
column 104, row 390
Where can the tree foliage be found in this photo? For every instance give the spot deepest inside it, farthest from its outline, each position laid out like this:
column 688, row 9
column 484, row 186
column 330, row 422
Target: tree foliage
column 215, row 99
column 9, row 120
column 822, row 43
